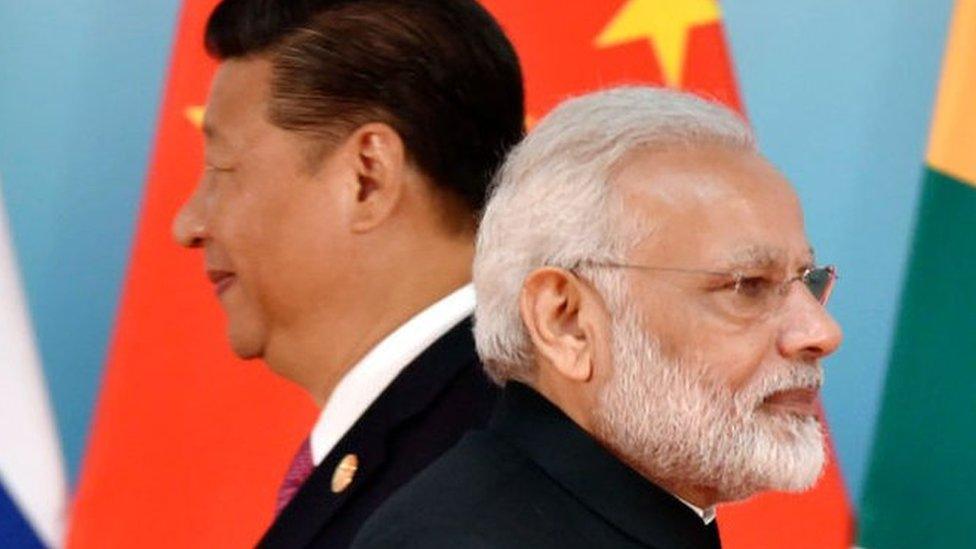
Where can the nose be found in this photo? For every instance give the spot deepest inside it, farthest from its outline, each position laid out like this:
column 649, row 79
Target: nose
column 808, row 331
column 190, row 223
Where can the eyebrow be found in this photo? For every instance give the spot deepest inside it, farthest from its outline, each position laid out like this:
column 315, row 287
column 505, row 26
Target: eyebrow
column 762, row 257
column 755, row 257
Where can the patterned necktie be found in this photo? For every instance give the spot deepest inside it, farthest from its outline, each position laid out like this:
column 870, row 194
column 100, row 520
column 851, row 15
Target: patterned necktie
column 301, row 467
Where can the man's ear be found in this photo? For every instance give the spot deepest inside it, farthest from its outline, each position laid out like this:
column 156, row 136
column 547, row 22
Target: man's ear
column 379, row 166
column 561, row 314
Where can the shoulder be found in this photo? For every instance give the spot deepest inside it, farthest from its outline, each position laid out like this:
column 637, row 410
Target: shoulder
column 446, row 382
column 482, row 493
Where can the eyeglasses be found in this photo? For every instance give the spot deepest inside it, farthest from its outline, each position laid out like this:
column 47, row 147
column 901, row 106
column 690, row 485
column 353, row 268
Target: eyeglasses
column 749, row 295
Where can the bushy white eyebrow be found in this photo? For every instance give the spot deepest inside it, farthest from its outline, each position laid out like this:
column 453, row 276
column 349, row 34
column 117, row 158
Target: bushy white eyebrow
column 763, row 257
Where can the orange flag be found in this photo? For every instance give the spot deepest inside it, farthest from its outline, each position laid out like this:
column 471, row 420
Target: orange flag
column 189, row 444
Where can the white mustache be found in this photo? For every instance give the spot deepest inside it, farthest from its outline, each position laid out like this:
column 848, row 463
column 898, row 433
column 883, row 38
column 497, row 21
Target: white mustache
column 797, row 375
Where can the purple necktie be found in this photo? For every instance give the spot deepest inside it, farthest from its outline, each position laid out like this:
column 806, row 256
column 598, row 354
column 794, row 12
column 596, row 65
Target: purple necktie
column 301, row 467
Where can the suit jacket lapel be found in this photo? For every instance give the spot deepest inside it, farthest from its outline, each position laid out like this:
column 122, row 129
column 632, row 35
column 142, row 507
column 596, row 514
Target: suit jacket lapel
column 410, row 393
column 595, row 477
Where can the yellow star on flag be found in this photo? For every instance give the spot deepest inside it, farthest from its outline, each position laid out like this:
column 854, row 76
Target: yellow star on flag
column 195, row 115
column 664, row 23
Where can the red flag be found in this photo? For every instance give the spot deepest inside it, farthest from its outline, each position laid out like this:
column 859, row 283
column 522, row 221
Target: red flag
column 189, row 444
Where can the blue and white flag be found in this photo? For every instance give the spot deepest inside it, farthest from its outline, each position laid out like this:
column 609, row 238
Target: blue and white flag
column 32, row 480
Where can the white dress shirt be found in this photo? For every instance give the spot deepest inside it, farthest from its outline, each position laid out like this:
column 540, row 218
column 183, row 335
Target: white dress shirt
column 370, row 376
column 707, row 515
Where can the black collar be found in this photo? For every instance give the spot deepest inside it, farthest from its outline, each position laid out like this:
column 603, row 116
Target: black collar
column 594, row 476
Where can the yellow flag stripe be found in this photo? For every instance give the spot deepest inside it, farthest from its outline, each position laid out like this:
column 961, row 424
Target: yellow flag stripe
column 952, row 145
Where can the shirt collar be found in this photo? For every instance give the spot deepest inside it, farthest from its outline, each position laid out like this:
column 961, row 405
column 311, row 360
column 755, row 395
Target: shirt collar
column 364, row 382
column 707, row 514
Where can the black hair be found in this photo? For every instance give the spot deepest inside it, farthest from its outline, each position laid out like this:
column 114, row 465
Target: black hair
column 441, row 72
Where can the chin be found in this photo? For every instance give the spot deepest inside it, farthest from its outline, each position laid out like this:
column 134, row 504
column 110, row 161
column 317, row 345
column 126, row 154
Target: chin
column 245, row 345
column 790, row 461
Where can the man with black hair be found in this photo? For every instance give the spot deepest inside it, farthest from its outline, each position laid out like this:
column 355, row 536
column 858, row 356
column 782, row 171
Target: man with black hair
column 349, row 144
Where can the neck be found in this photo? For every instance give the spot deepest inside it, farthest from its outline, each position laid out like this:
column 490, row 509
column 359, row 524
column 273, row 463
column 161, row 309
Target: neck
column 390, row 289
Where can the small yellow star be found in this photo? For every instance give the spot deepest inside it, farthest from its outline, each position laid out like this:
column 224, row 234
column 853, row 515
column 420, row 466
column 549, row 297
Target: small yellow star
column 194, row 114
column 664, row 23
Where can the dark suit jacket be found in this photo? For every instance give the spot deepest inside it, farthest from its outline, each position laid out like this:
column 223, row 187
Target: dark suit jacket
column 426, row 409
column 532, row 479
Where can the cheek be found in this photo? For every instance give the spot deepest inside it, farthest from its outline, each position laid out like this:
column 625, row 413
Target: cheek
column 261, row 215
column 735, row 360
column 308, row 227
column 246, row 228
column 731, row 355
column 251, row 227
column 303, row 252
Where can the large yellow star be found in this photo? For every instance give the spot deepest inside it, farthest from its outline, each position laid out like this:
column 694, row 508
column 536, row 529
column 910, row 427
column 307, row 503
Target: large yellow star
column 665, row 23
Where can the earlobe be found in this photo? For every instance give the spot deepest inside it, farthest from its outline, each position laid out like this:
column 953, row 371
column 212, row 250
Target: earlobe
column 550, row 305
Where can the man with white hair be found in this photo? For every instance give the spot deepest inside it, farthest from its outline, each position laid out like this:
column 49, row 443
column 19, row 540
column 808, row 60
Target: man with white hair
column 649, row 300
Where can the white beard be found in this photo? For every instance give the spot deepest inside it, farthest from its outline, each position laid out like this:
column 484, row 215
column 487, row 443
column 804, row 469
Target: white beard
column 670, row 423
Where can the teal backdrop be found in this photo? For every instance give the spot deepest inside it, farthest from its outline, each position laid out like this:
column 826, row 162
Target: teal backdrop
column 840, row 93
column 80, row 85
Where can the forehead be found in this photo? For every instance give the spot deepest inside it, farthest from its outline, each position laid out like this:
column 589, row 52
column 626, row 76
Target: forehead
column 711, row 207
column 238, row 99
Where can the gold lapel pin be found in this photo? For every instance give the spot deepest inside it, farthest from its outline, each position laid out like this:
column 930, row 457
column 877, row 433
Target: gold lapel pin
column 344, row 473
